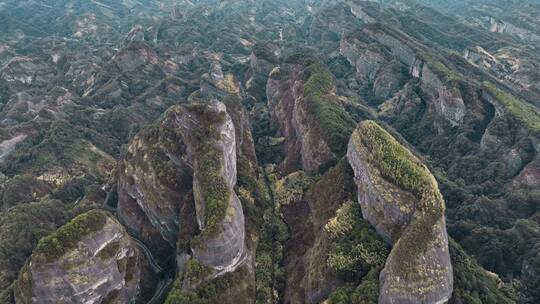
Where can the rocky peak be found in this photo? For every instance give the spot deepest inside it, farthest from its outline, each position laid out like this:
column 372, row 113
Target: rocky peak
column 210, row 136
column 401, row 199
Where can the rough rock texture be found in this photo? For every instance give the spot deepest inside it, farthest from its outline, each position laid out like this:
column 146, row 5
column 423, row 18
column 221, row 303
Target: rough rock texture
column 309, row 279
column 401, row 199
column 304, row 146
column 154, row 183
column 105, row 266
column 226, row 249
column 21, row 72
column 177, row 179
column 519, row 156
column 447, row 100
column 482, row 58
column 373, row 67
column 262, row 61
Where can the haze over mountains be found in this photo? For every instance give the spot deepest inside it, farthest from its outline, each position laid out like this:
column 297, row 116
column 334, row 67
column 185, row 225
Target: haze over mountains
column 303, row 151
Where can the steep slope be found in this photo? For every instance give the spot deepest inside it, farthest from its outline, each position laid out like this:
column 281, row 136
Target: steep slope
column 401, row 199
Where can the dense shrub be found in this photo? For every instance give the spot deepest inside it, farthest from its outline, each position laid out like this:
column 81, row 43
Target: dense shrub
column 355, row 246
column 334, row 123
column 67, row 236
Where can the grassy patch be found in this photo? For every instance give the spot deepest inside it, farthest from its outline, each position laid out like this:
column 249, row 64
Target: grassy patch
column 179, row 296
column 291, row 188
column 320, row 80
column 195, row 271
column 366, row 293
column 67, row 236
column 215, row 190
column 525, row 113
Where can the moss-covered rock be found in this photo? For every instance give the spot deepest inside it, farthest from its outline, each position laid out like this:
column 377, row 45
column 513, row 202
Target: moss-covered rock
column 400, row 197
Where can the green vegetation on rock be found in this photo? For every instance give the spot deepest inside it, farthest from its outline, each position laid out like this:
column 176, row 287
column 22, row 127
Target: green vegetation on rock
column 334, row 123
column 525, row 113
column 179, row 296
column 473, row 284
column 223, row 289
column 215, row 191
column 401, row 167
column 67, row 236
column 195, row 271
column 291, row 188
column 209, row 167
column 263, row 51
column 320, row 80
column 366, row 293
column 355, row 246
column 440, row 69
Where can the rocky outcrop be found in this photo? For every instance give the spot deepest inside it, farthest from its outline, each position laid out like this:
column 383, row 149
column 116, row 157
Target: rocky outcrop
column 262, row 61
column 22, row 72
column 155, row 182
column 210, row 136
column 513, row 119
column 401, row 199
column 309, row 277
column 482, row 58
column 387, row 75
column 92, row 259
column 446, row 99
column 301, row 97
column 366, row 61
column 129, row 74
column 500, row 26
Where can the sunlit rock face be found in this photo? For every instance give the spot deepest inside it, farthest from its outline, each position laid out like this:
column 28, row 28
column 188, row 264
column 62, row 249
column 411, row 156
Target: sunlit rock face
column 106, row 265
column 401, row 199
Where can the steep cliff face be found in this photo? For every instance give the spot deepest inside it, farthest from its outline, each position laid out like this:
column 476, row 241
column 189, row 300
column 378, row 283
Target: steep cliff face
column 210, row 136
column 91, row 259
column 310, row 116
column 375, row 69
column 22, row 72
column 446, row 97
column 154, row 184
column 516, row 146
column 262, row 60
column 385, row 76
column 177, row 180
column 310, row 277
column 401, row 199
